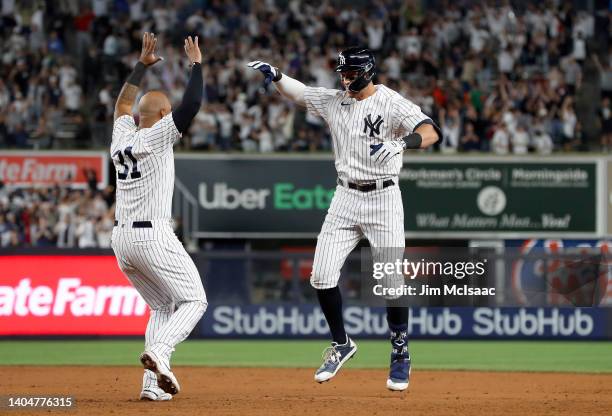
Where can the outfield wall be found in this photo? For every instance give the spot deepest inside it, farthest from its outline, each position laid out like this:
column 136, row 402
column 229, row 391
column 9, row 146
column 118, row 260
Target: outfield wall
column 86, row 294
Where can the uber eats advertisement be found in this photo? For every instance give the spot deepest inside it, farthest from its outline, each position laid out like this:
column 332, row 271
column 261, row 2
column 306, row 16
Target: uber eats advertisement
column 259, row 195
column 291, row 195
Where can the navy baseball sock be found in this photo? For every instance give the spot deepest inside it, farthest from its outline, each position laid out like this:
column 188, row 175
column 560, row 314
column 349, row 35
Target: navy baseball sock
column 331, row 304
column 397, row 318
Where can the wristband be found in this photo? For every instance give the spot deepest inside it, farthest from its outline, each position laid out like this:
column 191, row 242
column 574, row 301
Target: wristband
column 412, row 141
column 136, row 76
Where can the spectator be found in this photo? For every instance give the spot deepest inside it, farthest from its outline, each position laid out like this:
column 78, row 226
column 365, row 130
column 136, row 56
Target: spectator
column 85, row 231
column 5, row 231
column 500, row 143
column 72, row 95
column 451, row 127
column 43, row 236
column 542, row 142
column 55, row 45
column 65, row 231
column 393, row 66
column 505, row 61
column 520, row 140
column 579, row 51
column 92, row 180
column 470, row 141
column 204, row 129
column 410, row 44
column 98, row 207
column 224, row 120
column 104, row 230
column 605, row 117
column 568, row 118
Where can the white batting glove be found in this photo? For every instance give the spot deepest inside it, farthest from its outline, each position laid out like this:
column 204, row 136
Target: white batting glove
column 385, row 151
column 270, row 73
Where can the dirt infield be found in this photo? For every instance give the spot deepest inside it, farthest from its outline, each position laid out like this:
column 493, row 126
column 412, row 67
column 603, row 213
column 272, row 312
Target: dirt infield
column 256, row 391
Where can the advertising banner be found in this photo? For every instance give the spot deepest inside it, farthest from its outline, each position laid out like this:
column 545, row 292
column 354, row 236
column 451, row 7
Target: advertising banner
column 68, row 295
column 560, row 275
column 288, row 197
column 49, row 168
column 251, row 196
column 307, row 321
column 510, row 197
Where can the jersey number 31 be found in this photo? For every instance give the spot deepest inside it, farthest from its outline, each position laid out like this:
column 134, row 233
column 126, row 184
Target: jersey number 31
column 126, row 169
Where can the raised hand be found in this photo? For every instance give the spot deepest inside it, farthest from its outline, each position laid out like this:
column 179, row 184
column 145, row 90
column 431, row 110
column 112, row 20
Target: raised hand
column 193, row 50
column 147, row 54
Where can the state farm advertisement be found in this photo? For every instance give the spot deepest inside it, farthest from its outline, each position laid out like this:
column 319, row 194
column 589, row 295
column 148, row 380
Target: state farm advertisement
column 49, row 168
column 68, row 295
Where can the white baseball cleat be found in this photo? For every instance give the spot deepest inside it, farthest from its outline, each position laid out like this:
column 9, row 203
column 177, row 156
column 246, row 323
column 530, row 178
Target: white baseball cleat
column 396, row 386
column 161, row 367
column 155, row 394
column 399, row 374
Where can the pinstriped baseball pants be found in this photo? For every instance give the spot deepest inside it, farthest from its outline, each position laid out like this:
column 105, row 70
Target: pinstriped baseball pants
column 157, row 265
column 377, row 215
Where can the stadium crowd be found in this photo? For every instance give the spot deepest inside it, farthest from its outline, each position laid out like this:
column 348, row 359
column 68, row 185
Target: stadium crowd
column 534, row 77
column 58, row 216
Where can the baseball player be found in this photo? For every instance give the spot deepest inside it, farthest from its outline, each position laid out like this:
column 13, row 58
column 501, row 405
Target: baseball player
column 371, row 126
column 147, row 251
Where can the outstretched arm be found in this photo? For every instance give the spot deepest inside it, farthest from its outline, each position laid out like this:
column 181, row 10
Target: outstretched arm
column 292, row 89
column 192, row 97
column 287, row 86
column 127, row 96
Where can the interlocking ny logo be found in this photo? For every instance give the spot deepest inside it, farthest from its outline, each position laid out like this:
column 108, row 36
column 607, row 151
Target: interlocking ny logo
column 373, row 126
column 341, row 59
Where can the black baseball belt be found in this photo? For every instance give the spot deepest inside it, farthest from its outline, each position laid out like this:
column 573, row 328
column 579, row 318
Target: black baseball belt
column 138, row 224
column 366, row 187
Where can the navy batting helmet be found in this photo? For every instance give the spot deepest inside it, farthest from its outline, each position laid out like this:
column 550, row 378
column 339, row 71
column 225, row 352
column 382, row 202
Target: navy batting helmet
column 357, row 59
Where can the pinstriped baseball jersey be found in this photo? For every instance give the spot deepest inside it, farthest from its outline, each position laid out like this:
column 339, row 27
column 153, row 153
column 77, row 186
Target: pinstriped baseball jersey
column 355, row 125
column 377, row 215
column 144, row 161
column 151, row 256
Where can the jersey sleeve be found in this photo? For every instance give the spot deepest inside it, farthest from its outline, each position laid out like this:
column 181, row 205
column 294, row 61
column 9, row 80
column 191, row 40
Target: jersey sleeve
column 408, row 116
column 317, row 100
column 123, row 125
column 162, row 135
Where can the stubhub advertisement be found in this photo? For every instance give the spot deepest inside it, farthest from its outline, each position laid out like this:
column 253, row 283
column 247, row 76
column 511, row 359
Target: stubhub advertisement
column 307, row 321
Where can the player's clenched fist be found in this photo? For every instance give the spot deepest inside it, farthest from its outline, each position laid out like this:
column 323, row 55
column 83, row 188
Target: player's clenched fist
column 270, row 72
column 385, row 151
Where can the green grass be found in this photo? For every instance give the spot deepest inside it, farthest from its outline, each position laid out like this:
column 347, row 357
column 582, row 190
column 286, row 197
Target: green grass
column 464, row 355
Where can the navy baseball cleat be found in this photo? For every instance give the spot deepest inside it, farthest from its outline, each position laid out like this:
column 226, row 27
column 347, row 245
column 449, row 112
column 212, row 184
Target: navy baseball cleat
column 399, row 369
column 333, row 358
